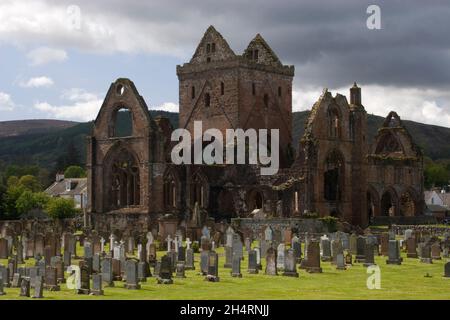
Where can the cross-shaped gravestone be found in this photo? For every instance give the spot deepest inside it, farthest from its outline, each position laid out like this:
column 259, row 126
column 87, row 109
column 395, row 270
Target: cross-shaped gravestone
column 175, row 241
column 112, row 240
column 188, row 243
column 149, row 237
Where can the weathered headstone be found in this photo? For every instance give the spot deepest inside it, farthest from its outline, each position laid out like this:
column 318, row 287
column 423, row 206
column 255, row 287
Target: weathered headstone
column 85, row 287
column 384, row 244
column 51, row 279
column 190, row 263
column 180, row 270
column 425, row 253
column 313, row 264
column 25, row 287
column 411, row 248
column 213, row 267
column 236, row 266
column 143, row 271
column 131, row 270
column 340, row 262
column 360, row 249
column 165, row 271
column 237, row 246
column 325, row 248
column 97, row 288
column 4, row 252
column 228, row 257
column 271, row 262
column 280, row 256
column 353, row 243
column 447, row 270
column 38, row 287
column 436, row 251
column 394, row 253
column 290, row 264
column 252, row 262
column 107, row 272
column 369, row 254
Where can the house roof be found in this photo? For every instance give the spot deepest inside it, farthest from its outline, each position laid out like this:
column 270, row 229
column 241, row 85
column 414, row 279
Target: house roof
column 79, row 186
column 445, row 198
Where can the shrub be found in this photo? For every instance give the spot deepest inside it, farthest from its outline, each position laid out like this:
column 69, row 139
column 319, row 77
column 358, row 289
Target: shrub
column 61, row 208
column 330, row 222
column 74, row 172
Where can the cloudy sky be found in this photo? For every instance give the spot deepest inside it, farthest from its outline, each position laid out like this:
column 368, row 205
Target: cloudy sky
column 58, row 58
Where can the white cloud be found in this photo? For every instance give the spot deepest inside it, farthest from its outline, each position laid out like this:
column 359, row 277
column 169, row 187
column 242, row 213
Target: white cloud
column 81, row 106
column 6, row 103
column 167, row 106
column 429, row 106
column 37, row 82
column 44, row 55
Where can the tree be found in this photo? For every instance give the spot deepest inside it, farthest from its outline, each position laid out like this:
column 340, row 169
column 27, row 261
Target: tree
column 61, row 208
column 29, row 200
column 74, row 172
column 30, row 183
column 436, row 175
column 12, row 181
column 12, row 194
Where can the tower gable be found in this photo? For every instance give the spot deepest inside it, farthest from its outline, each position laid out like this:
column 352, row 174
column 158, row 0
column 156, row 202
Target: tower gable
column 212, row 47
column 259, row 51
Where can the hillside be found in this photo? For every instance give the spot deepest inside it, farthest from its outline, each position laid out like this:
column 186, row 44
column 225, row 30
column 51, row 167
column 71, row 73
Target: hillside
column 22, row 127
column 43, row 149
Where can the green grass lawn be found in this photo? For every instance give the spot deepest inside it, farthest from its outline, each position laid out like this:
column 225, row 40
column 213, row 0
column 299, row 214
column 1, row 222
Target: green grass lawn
column 407, row 281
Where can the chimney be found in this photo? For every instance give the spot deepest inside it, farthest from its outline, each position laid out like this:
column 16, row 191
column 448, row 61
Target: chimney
column 59, row 177
column 355, row 95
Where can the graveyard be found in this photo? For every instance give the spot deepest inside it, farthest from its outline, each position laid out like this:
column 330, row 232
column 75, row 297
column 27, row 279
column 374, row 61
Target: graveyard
column 322, row 275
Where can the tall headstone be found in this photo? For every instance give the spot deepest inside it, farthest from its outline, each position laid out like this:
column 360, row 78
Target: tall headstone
column 313, row 263
column 51, row 279
column 38, row 287
column 85, row 287
column 271, row 262
column 107, row 272
column 290, row 264
column 25, row 287
column 384, row 244
column 252, row 262
column 325, row 247
column 447, row 270
column 180, row 270
column 236, row 266
column 360, row 249
column 394, row 253
column 190, row 262
column 369, row 254
column 425, row 253
column 436, row 251
column 213, row 267
column 131, row 270
column 353, row 243
column 411, row 250
column 97, row 285
column 165, row 271
column 280, row 256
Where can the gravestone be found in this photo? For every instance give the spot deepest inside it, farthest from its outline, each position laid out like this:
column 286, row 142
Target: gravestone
column 38, row 245
column 336, row 248
column 152, row 255
column 116, row 269
column 297, row 247
column 48, row 254
column 57, row 263
column 157, row 268
column 384, row 244
column 394, row 253
column 51, row 279
column 236, row 266
column 131, row 270
column 228, row 257
column 204, row 256
column 96, row 260
column 425, row 253
column 252, row 262
column 280, row 256
column 447, row 270
column 25, row 287
column 325, row 247
column 97, row 282
column 248, row 244
column 353, row 243
column 190, row 262
column 411, row 248
column 85, row 287
column 33, row 273
column 4, row 252
column 229, row 237
column 313, row 263
column 107, row 272
column 369, row 255
column 436, row 251
column 38, row 287
column 213, row 267
column 237, row 246
column 165, row 272
column 180, row 270
column 348, row 259
column 271, row 262
column 287, row 236
column 67, row 258
column 340, row 262
column 290, row 264
column 268, row 234
column 143, row 271
column 16, row 280
column 181, row 254
column 360, row 249
column 2, row 290
column 258, row 258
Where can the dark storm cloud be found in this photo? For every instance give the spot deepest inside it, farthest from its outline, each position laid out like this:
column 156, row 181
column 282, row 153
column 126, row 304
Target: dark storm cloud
column 327, row 41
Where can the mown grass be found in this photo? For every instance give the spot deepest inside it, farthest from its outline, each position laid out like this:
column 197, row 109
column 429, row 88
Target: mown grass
column 407, row 281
